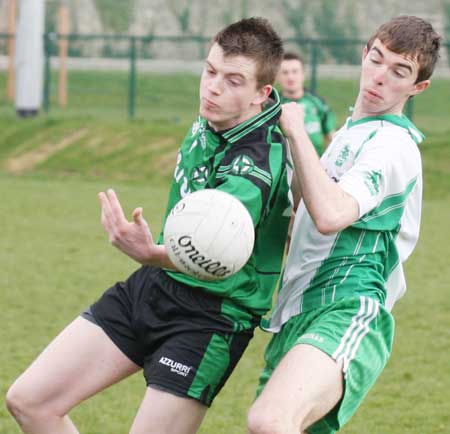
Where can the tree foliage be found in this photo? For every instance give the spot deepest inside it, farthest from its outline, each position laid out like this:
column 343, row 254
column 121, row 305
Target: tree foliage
column 115, row 15
column 330, row 26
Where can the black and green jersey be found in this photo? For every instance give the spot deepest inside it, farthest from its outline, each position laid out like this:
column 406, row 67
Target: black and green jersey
column 319, row 119
column 249, row 162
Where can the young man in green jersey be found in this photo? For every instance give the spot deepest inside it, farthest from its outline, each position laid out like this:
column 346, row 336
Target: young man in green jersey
column 358, row 220
column 185, row 334
column 320, row 121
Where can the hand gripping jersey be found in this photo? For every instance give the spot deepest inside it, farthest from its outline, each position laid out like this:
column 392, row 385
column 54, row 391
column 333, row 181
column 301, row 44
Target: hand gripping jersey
column 319, row 119
column 248, row 161
column 376, row 160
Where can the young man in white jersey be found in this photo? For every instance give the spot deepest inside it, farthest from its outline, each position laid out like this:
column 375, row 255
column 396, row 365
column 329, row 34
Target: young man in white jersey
column 358, row 220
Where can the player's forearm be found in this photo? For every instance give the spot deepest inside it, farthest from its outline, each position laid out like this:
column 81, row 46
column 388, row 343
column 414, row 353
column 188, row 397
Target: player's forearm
column 296, row 190
column 329, row 206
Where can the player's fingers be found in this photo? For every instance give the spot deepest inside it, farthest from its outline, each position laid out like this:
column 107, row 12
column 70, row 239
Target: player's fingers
column 116, row 207
column 138, row 217
column 105, row 205
column 106, row 216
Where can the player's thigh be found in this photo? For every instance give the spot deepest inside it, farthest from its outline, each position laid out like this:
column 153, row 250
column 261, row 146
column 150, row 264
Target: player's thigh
column 355, row 332
column 305, row 386
column 163, row 413
column 78, row 363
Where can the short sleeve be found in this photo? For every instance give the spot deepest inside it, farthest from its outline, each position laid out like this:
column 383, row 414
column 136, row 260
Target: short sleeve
column 384, row 167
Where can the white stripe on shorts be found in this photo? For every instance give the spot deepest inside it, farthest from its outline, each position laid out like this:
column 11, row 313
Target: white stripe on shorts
column 358, row 328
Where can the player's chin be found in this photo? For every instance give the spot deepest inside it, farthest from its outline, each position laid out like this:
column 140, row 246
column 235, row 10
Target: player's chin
column 210, row 115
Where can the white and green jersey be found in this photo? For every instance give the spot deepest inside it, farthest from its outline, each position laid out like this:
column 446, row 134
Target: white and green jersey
column 377, row 161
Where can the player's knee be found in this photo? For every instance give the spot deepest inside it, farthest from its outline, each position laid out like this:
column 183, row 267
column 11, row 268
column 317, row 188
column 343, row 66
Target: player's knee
column 22, row 405
column 269, row 421
column 15, row 402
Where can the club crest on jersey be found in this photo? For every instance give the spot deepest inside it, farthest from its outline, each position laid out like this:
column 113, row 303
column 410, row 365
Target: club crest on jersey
column 343, row 156
column 200, row 175
column 242, row 165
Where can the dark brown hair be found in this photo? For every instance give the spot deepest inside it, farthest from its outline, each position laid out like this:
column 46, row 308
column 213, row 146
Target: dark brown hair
column 413, row 37
column 256, row 39
column 290, row 55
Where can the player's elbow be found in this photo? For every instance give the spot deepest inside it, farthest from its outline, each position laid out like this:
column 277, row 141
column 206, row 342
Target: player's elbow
column 326, row 229
column 328, row 224
column 330, row 219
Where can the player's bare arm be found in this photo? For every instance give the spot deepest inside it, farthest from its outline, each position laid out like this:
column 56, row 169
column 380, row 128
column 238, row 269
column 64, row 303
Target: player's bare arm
column 132, row 238
column 296, row 190
column 331, row 208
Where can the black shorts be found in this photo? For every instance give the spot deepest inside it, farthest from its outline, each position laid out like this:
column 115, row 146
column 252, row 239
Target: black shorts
column 174, row 331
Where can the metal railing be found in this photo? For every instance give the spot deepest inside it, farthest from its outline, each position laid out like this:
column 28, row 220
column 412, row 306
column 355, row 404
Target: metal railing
column 133, row 48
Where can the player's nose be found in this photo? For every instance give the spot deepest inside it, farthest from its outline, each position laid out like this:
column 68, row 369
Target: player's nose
column 380, row 75
column 215, row 86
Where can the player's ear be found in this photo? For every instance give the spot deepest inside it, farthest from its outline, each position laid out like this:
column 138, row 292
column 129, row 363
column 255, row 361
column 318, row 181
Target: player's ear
column 420, row 87
column 364, row 52
column 262, row 94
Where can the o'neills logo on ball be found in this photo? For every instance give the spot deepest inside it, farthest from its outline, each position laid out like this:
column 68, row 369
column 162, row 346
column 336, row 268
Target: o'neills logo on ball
column 190, row 251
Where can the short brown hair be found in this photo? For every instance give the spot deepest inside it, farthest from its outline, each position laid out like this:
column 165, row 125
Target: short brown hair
column 413, row 37
column 256, row 39
column 290, row 55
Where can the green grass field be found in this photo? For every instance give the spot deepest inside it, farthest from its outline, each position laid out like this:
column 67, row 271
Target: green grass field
column 56, row 259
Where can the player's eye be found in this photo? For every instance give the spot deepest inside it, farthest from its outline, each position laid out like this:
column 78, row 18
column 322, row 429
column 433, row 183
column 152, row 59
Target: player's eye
column 399, row 74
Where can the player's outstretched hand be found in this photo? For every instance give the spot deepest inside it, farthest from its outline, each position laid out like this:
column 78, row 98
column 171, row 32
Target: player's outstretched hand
column 292, row 118
column 132, row 238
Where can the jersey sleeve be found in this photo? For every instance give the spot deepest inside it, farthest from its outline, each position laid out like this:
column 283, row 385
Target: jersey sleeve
column 384, row 172
column 250, row 172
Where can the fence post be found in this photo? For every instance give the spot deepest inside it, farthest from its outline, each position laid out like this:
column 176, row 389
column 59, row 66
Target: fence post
column 409, row 109
column 47, row 72
column 314, row 62
column 132, row 79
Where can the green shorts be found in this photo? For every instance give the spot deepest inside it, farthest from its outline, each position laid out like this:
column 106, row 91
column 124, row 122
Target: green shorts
column 357, row 332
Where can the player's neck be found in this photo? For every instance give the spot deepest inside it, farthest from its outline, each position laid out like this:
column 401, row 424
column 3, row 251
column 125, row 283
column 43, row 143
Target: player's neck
column 233, row 122
column 361, row 110
column 296, row 94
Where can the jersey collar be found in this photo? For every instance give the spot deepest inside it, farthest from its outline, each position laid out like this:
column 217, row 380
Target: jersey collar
column 271, row 112
column 401, row 121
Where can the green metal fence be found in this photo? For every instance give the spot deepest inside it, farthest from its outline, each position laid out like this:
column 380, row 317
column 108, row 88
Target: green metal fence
column 130, row 49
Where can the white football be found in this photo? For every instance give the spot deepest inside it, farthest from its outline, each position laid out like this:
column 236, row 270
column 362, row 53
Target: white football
column 209, row 235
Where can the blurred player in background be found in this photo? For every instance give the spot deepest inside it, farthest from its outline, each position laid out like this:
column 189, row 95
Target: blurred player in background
column 357, row 222
column 320, row 121
column 186, row 335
